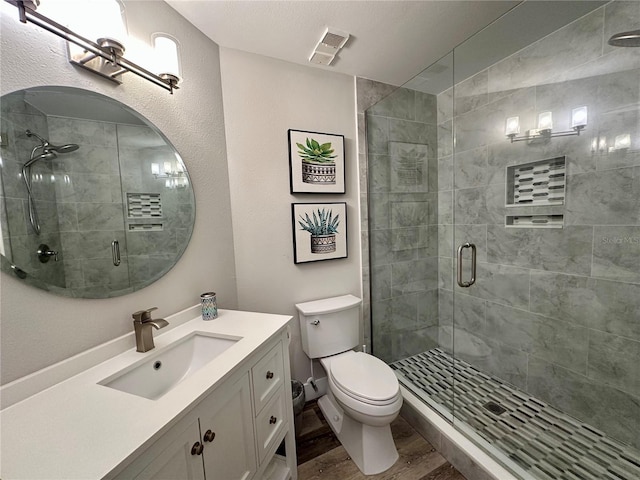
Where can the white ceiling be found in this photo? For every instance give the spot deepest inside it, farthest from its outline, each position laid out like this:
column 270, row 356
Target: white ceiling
column 391, row 41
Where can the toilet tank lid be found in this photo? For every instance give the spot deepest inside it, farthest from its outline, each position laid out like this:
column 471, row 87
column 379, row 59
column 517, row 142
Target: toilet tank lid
column 328, row 305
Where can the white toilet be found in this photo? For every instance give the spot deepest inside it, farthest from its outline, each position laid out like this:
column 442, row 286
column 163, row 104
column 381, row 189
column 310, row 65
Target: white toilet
column 363, row 396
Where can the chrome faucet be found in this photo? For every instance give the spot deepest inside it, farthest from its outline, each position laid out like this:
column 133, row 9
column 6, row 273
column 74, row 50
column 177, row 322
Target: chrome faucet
column 142, row 324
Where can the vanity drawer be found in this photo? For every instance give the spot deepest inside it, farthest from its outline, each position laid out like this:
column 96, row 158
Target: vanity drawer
column 267, row 376
column 269, row 424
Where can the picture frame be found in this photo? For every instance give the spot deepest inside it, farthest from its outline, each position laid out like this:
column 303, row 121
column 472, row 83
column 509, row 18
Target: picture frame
column 316, row 162
column 319, row 231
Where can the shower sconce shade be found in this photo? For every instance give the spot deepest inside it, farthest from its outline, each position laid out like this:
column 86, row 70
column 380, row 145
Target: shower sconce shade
column 103, row 57
column 513, row 126
column 545, row 126
column 545, row 121
column 579, row 117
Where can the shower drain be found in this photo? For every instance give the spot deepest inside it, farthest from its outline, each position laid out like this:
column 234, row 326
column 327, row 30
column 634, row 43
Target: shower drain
column 494, row 408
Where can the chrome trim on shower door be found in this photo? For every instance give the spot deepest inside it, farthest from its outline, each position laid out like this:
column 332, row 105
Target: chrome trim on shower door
column 472, row 280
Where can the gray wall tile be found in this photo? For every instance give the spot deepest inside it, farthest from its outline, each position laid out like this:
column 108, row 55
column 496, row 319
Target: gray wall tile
column 604, row 407
column 502, row 284
column 556, row 341
column 603, row 305
column 565, row 250
column 565, row 48
column 613, row 361
column 590, row 198
column 616, row 253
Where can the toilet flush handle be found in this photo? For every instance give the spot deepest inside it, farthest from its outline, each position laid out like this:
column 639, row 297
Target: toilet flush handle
column 315, row 322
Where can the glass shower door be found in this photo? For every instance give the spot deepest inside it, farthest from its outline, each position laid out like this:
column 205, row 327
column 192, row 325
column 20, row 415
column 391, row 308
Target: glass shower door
column 545, row 201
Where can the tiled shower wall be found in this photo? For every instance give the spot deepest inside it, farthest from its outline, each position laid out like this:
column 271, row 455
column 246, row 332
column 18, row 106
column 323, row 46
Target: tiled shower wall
column 113, row 160
column 401, row 134
column 89, row 203
column 554, row 311
column 19, row 240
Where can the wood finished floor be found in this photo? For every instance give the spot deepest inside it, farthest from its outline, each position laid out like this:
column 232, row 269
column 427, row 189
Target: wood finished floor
column 320, row 455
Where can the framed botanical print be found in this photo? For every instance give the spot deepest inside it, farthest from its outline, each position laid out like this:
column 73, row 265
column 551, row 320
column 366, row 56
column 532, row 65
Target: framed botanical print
column 319, row 231
column 316, row 162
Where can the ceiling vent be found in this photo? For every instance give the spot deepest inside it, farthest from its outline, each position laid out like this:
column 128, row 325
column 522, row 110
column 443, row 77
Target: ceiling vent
column 321, row 58
column 327, row 48
column 334, row 38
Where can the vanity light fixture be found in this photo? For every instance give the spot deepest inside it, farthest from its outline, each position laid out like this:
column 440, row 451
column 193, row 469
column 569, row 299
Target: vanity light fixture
column 166, row 52
column 545, row 126
column 103, row 57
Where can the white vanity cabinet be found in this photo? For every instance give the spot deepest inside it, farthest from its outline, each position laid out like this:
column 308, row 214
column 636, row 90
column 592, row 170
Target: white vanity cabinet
column 233, row 433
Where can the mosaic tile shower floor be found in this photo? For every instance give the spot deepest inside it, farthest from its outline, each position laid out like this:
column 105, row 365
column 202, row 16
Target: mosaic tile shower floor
column 541, row 440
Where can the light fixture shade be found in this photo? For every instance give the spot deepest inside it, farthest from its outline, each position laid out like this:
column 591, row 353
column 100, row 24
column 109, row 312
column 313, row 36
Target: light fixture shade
column 92, row 19
column 622, row 142
column 512, row 126
column 545, row 121
column 166, row 51
column 602, row 144
column 155, row 168
column 579, row 117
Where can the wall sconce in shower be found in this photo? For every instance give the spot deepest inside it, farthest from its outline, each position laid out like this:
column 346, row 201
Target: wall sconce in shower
column 545, row 126
column 621, row 144
column 167, row 169
column 105, row 55
column 172, row 172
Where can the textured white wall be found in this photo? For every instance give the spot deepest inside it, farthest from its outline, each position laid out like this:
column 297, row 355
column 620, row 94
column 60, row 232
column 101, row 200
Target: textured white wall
column 37, row 328
column 263, row 98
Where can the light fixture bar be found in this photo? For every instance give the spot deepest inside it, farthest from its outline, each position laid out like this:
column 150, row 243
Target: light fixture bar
column 545, row 125
column 26, row 14
column 535, row 134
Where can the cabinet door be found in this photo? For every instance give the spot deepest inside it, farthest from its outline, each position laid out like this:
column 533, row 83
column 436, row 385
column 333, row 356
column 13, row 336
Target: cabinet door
column 226, row 424
column 176, row 462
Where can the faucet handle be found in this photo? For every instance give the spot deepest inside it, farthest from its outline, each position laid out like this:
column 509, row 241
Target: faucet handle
column 142, row 316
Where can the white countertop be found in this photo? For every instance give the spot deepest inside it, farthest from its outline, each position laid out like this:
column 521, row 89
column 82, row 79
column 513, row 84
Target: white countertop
column 77, row 429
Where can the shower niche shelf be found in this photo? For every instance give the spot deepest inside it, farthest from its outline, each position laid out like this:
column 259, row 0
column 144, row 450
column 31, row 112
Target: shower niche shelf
column 536, row 183
column 534, row 221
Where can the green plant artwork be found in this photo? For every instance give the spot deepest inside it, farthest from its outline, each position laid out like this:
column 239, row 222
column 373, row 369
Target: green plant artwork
column 313, row 152
column 322, row 224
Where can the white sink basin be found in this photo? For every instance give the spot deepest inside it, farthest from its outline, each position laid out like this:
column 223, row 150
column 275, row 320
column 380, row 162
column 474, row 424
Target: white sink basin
column 159, row 374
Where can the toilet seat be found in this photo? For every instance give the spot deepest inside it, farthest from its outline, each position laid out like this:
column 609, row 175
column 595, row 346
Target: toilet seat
column 364, row 378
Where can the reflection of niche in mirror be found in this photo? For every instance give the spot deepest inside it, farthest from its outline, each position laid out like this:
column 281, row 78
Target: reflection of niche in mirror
column 83, row 198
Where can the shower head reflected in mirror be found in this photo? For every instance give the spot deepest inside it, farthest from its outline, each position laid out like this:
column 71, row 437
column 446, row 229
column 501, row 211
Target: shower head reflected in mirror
column 626, row 39
column 47, row 152
column 48, row 147
column 42, row 156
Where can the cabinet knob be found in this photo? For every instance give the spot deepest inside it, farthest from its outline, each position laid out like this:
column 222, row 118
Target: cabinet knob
column 197, row 449
column 209, row 436
column 273, row 420
column 269, row 375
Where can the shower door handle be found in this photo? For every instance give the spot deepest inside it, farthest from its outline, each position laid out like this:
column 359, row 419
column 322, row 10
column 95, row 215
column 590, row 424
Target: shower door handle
column 472, row 280
column 115, row 252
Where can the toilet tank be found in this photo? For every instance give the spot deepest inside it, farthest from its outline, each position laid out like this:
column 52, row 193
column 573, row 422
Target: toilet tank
column 330, row 325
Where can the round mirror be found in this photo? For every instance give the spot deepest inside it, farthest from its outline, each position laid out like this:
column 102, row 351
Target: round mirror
column 95, row 202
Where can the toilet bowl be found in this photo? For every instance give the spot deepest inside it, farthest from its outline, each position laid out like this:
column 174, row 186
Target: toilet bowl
column 362, row 400
column 363, row 395
column 364, row 386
